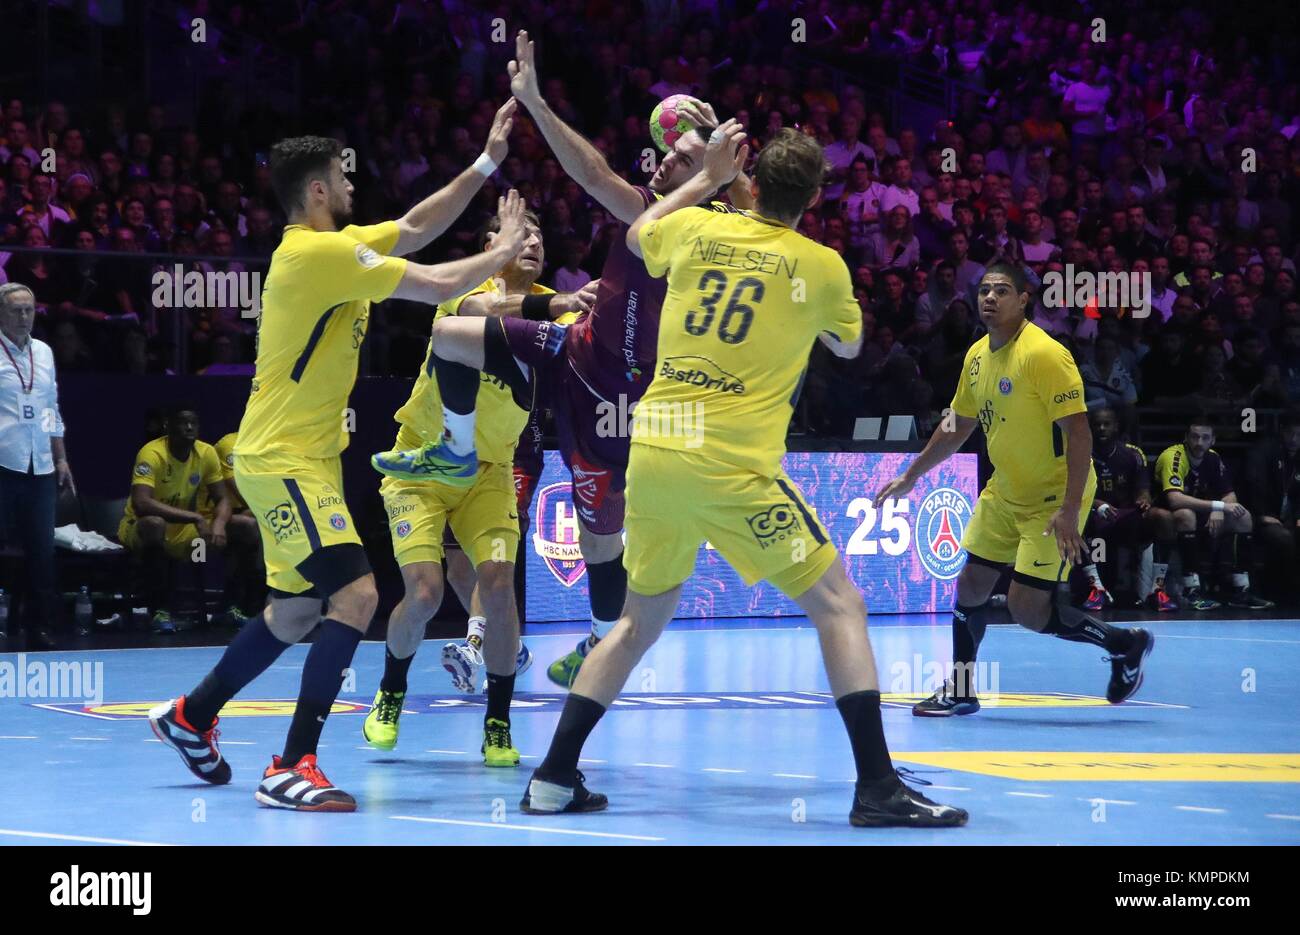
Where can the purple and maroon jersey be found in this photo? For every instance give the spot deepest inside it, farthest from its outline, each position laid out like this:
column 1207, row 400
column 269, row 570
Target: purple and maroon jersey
column 613, row 349
column 1121, row 474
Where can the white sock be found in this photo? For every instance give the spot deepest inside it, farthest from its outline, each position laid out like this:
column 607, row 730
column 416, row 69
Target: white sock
column 477, row 627
column 1191, row 581
column 458, row 430
column 1240, row 579
column 600, row 628
column 1093, row 578
column 1158, row 572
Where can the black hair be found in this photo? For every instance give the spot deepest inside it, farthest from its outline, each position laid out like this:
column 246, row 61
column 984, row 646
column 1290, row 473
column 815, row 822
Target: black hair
column 295, row 161
column 1013, row 271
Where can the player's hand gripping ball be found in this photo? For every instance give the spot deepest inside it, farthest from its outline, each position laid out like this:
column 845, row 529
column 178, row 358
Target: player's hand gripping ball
column 666, row 124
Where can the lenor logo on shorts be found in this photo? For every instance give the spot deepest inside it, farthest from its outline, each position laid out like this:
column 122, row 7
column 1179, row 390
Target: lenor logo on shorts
column 282, row 521
column 940, row 523
column 775, row 524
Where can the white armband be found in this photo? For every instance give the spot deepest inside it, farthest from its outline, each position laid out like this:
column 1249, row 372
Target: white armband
column 1216, row 506
column 484, row 165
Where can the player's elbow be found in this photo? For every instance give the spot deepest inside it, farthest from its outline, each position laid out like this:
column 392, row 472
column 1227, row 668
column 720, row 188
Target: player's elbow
column 633, row 238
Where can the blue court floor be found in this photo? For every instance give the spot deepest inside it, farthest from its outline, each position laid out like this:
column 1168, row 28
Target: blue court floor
column 726, row 736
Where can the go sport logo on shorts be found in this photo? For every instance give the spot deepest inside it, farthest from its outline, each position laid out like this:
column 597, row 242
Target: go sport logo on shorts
column 940, row 523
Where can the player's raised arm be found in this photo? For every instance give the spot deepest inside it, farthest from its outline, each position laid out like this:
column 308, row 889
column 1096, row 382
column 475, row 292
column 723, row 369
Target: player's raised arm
column 580, row 160
column 723, row 158
column 943, row 444
column 443, row 281
column 427, row 220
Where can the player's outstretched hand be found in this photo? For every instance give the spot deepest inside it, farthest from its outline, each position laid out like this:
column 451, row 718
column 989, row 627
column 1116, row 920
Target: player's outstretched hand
column 897, row 488
column 1069, row 543
column 514, row 229
column 725, row 155
column 523, row 73
column 698, row 113
column 584, row 300
column 498, row 141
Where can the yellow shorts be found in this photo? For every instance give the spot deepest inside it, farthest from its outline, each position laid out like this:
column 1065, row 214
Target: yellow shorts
column 483, row 517
column 178, row 540
column 1005, row 534
column 299, row 508
column 676, row 500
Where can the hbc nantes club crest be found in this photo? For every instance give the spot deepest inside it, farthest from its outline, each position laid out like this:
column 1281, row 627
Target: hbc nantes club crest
column 555, row 534
column 940, row 523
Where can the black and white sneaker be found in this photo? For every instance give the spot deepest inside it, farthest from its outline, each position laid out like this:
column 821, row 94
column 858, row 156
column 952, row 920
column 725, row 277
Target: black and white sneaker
column 550, row 798
column 301, row 788
column 1242, row 599
column 944, row 703
column 889, row 803
column 197, row 748
column 1126, row 668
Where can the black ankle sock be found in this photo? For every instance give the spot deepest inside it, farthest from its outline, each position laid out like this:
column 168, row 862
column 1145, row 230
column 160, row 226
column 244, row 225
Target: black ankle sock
column 501, row 688
column 577, row 720
column 322, row 677
column 249, row 654
column 395, row 671
column 607, row 584
column 861, row 713
column 1085, row 629
column 1188, row 553
column 1242, row 551
column 457, row 384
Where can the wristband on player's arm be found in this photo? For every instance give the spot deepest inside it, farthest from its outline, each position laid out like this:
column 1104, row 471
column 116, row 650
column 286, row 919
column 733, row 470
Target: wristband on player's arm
column 537, row 307
column 1216, row 506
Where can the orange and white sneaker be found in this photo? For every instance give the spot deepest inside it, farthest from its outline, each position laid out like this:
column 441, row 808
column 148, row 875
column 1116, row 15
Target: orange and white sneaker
column 1160, row 601
column 302, row 788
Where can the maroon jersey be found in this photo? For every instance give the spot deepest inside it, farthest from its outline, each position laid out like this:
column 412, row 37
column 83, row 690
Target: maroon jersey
column 1121, row 474
column 613, row 349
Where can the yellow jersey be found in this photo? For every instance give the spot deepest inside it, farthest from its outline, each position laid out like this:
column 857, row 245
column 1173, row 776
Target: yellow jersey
column 226, row 453
column 1018, row 392
column 499, row 419
column 747, row 296
column 182, row 484
column 315, row 308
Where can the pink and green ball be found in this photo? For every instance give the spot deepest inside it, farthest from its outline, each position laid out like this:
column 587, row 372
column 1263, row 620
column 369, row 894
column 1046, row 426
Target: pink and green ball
column 666, row 125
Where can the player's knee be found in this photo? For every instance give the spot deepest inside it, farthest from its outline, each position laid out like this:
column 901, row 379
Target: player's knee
column 1184, row 520
column 598, row 548
column 1243, row 523
column 355, row 603
column 974, row 584
column 424, row 593
column 497, row 579
column 152, row 530
column 1029, row 607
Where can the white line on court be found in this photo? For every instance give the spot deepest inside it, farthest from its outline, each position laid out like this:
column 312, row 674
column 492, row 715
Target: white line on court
column 1284, row 817
column 1106, row 801
column 98, row 739
column 509, row 827
column 1197, row 808
column 793, row 776
column 80, row 837
column 951, row 788
column 18, row 737
column 718, row 769
column 584, row 760
column 655, row 765
column 454, row 752
column 1031, row 795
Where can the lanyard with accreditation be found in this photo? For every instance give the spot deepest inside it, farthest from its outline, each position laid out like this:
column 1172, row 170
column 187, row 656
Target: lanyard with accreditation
column 26, row 411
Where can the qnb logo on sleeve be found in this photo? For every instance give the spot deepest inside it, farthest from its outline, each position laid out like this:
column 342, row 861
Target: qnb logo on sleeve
column 89, row 888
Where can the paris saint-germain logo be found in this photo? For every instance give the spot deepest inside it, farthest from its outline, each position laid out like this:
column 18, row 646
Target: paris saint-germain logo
column 338, row 522
column 403, row 529
column 940, row 524
column 1004, row 386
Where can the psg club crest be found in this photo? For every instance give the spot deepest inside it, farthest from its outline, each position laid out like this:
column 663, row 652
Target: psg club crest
column 338, row 522
column 403, row 529
column 555, row 533
column 1004, row 386
column 940, row 524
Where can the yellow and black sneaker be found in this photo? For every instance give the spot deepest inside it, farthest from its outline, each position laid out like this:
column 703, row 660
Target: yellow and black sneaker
column 497, row 748
column 381, row 725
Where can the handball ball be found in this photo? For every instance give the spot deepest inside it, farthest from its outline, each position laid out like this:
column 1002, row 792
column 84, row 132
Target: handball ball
column 666, row 125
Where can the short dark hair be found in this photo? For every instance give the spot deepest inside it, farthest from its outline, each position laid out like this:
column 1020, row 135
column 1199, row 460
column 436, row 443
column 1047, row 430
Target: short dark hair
column 1013, row 271
column 294, row 161
column 1203, row 419
column 493, row 224
column 790, row 170
column 173, row 409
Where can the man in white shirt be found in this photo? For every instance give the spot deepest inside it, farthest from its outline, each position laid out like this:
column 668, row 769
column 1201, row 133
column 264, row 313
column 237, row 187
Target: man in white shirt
column 33, row 462
column 841, row 153
column 1085, row 103
column 900, row 191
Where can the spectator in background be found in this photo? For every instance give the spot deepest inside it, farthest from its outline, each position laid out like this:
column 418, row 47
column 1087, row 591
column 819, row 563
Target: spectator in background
column 1107, row 384
column 841, row 154
column 571, row 277
column 896, row 244
column 1170, row 372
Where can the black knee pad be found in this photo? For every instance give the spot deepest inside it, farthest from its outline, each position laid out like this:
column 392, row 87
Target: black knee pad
column 334, row 567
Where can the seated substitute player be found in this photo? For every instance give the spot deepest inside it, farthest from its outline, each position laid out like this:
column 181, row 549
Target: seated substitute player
column 719, row 477
column 1122, row 515
column 482, row 517
column 1196, row 488
column 601, row 366
column 245, row 575
column 1273, row 483
column 315, row 309
column 1024, row 390
column 178, row 497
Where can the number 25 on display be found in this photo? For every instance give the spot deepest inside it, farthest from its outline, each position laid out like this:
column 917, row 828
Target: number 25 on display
column 893, row 519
